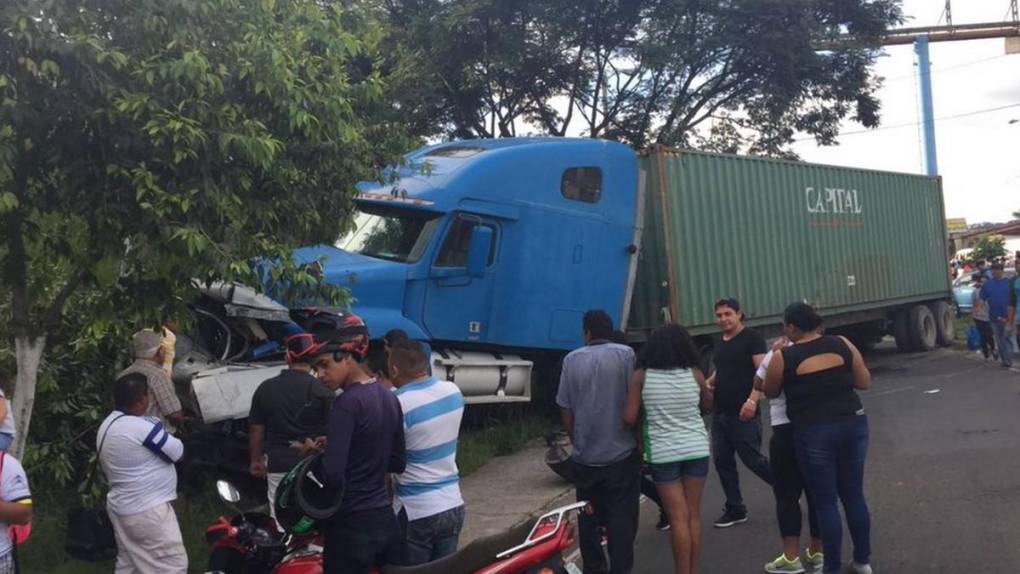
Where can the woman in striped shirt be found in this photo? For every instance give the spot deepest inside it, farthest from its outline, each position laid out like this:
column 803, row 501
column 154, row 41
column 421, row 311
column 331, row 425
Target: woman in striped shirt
column 666, row 397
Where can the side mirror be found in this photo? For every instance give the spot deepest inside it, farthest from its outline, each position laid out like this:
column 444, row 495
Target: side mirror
column 478, row 250
column 228, row 492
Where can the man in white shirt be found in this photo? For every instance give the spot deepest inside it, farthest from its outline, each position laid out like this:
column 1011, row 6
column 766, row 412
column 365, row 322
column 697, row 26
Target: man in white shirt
column 137, row 456
column 428, row 497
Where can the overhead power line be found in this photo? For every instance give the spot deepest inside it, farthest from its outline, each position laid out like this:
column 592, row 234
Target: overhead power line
column 911, row 124
column 936, row 69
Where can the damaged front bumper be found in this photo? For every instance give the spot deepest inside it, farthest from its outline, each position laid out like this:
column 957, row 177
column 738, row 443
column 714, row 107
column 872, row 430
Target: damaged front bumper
column 235, row 344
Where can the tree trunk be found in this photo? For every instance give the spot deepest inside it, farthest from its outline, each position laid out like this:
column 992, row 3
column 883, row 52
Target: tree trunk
column 28, row 350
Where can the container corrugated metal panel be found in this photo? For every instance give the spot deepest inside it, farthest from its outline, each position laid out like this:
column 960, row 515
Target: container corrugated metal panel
column 770, row 232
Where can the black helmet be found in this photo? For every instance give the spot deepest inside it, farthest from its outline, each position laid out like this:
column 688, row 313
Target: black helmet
column 302, row 499
column 558, row 459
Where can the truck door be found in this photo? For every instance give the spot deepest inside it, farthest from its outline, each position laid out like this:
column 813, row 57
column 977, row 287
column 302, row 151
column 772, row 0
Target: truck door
column 458, row 303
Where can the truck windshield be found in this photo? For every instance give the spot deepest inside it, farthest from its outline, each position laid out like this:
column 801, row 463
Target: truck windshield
column 391, row 233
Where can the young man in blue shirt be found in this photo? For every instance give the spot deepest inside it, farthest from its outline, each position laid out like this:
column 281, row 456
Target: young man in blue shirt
column 364, row 443
column 997, row 294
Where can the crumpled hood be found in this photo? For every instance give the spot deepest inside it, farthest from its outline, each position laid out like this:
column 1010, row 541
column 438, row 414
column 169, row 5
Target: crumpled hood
column 376, row 285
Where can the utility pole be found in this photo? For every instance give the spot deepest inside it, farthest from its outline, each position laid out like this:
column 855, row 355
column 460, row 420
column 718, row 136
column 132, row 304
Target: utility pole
column 931, row 163
column 921, row 37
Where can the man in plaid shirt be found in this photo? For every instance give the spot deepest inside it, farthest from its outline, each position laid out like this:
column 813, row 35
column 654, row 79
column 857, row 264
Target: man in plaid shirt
column 149, row 353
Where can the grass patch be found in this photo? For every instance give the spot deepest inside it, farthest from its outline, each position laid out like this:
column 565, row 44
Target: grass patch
column 497, row 430
column 44, row 551
column 963, row 323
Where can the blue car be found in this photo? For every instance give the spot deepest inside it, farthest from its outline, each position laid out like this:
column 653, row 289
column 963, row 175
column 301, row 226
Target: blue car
column 963, row 291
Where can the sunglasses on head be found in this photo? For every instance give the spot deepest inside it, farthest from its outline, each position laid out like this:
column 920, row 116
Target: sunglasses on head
column 302, row 344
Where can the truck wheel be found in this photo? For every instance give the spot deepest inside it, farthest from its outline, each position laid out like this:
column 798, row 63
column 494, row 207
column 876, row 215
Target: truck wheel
column 901, row 331
column 945, row 322
column 923, row 328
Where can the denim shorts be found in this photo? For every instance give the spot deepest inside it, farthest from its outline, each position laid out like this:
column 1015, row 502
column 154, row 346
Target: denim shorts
column 668, row 472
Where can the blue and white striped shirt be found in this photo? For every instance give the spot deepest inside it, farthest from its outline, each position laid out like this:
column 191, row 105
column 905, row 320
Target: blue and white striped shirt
column 432, row 413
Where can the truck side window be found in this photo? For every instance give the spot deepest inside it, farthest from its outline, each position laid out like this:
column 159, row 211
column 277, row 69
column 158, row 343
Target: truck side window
column 582, row 184
column 454, row 252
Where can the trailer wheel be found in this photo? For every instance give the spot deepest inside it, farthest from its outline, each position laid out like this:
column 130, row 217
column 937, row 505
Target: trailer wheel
column 901, row 331
column 923, row 328
column 945, row 322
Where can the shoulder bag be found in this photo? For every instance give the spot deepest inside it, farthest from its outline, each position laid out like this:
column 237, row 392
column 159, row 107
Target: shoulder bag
column 89, row 535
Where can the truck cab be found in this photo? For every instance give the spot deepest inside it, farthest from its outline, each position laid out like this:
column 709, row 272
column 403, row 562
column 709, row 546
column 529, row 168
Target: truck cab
column 490, row 250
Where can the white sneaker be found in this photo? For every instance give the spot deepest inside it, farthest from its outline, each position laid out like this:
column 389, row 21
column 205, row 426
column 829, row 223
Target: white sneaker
column 855, row 568
column 782, row 565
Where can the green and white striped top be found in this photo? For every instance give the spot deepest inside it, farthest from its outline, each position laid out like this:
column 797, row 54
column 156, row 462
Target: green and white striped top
column 673, row 430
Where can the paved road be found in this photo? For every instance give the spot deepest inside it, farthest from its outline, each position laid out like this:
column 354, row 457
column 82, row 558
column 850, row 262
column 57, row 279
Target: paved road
column 943, row 477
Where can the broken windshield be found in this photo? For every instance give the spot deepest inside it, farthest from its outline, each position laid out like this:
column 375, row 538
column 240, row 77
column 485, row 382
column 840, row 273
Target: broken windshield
column 394, row 234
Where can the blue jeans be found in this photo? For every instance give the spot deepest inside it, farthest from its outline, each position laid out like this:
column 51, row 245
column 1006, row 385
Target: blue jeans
column 358, row 542
column 433, row 537
column 732, row 437
column 832, row 457
column 1003, row 342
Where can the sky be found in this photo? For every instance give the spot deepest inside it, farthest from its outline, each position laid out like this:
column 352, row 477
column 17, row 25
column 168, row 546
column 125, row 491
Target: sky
column 979, row 153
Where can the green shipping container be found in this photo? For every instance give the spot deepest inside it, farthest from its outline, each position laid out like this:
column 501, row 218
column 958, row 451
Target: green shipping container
column 854, row 242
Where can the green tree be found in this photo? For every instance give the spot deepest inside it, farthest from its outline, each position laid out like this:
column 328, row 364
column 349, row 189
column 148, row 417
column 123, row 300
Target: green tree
column 148, row 143
column 1016, row 214
column 989, row 248
column 639, row 71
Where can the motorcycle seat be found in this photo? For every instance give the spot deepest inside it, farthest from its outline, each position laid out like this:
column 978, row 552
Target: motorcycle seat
column 473, row 557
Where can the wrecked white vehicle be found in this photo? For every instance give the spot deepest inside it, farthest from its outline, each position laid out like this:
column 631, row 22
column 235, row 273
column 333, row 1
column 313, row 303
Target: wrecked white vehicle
column 235, row 343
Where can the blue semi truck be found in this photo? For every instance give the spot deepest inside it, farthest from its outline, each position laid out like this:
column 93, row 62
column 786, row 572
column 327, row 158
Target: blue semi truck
column 491, row 251
column 467, row 250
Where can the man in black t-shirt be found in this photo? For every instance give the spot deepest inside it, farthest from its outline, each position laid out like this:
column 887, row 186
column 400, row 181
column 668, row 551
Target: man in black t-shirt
column 288, row 408
column 736, row 424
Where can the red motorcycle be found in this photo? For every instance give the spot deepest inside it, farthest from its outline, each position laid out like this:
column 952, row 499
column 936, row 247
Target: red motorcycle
column 249, row 543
